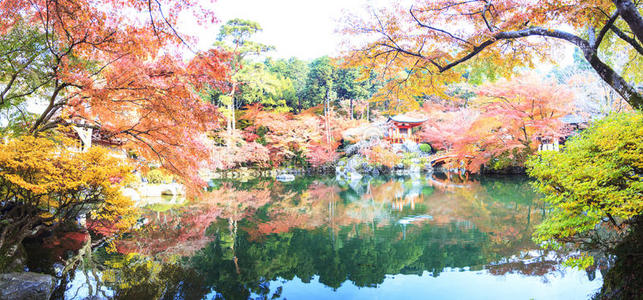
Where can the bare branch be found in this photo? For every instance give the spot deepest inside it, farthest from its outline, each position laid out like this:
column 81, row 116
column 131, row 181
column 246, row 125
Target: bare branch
column 436, row 29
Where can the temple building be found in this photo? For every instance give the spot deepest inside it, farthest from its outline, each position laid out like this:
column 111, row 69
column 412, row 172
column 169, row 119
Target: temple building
column 401, row 128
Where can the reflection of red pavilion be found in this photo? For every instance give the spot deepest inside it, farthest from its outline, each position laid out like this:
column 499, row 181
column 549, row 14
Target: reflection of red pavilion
column 401, row 128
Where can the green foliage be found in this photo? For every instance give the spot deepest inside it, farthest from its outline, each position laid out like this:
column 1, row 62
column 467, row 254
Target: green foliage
column 136, row 276
column 284, row 85
column 348, row 85
column 480, row 71
column 582, row 262
column 264, row 87
column 623, row 279
column 235, row 36
column 614, row 51
column 408, row 158
column 426, row 148
column 297, row 72
column 327, row 80
column 23, row 70
column 363, row 260
column 508, row 159
column 597, row 177
column 319, row 84
column 298, row 159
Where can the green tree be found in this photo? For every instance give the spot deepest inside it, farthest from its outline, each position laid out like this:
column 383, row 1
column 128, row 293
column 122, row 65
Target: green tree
column 595, row 185
column 23, row 72
column 319, row 88
column 319, row 83
column 348, row 86
column 235, row 37
column 264, row 87
column 297, row 71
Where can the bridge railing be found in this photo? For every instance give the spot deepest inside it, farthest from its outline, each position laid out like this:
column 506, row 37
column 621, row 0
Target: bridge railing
column 401, row 140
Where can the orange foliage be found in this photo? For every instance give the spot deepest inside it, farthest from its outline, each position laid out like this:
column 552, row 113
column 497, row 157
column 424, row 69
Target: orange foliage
column 508, row 120
column 304, row 134
column 423, row 46
column 381, row 154
column 118, row 65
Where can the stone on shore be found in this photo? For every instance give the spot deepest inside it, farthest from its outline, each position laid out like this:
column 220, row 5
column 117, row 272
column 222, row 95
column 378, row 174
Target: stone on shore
column 26, row 285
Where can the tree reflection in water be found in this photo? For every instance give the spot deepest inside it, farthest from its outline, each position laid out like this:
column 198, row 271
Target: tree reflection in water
column 237, row 239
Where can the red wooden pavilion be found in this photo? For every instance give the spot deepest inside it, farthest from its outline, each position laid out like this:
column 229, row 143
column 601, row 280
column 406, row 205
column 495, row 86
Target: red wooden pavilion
column 400, row 128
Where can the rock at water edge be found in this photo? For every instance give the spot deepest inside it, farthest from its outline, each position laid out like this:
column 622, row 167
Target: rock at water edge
column 26, row 285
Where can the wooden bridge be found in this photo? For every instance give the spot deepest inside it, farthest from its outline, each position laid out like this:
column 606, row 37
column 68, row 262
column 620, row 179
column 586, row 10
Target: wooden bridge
column 441, row 158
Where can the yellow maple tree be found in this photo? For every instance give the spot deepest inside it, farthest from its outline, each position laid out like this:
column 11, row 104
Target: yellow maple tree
column 45, row 182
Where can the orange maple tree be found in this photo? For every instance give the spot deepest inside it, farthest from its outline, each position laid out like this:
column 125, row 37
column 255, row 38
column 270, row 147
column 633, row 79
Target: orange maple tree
column 302, row 136
column 118, row 66
column 506, row 122
column 427, row 45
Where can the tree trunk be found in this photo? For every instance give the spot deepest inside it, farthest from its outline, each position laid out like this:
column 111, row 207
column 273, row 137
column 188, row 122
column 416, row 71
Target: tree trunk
column 230, row 121
column 622, row 87
column 22, row 222
column 629, row 12
column 614, row 80
column 327, row 113
column 326, row 122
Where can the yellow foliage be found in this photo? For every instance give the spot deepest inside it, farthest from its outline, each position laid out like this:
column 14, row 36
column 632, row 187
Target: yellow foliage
column 59, row 182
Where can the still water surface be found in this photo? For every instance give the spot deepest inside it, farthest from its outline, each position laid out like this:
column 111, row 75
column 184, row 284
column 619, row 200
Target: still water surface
column 317, row 238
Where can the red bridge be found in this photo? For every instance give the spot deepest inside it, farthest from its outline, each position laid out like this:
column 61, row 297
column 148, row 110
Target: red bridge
column 441, row 158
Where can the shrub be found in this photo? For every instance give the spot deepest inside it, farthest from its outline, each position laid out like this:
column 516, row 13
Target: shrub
column 426, row 148
column 596, row 182
column 158, row 176
column 381, row 155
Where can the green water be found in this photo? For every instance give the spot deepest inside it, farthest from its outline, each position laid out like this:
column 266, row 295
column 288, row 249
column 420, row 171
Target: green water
column 316, row 238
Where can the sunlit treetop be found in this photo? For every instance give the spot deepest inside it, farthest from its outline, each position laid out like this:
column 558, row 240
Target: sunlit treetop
column 425, row 46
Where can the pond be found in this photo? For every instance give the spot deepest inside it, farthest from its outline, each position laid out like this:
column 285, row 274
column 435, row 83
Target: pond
column 317, row 238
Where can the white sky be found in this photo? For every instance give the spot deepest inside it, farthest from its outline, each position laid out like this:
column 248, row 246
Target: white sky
column 301, row 28
column 305, row 29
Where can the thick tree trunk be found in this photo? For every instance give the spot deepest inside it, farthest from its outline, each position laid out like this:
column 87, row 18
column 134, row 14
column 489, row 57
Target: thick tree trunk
column 626, row 9
column 613, row 79
column 622, row 87
column 22, row 222
column 629, row 12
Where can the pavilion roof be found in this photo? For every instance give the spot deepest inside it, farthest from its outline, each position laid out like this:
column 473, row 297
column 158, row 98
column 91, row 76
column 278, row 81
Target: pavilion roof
column 407, row 119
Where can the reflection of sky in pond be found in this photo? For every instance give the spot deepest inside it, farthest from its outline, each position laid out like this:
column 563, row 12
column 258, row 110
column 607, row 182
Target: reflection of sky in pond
column 316, row 238
column 82, row 284
column 452, row 284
